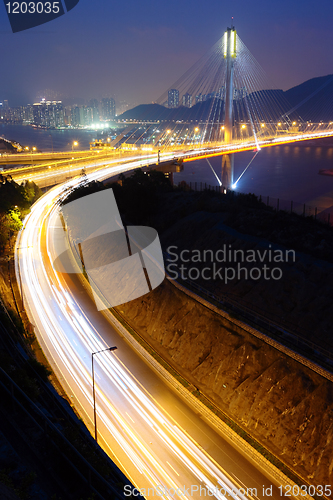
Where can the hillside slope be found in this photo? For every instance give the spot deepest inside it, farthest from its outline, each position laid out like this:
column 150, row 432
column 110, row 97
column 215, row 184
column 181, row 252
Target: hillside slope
column 283, row 404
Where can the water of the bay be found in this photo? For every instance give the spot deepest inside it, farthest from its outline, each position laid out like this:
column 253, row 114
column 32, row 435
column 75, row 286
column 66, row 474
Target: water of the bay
column 48, row 140
column 287, row 172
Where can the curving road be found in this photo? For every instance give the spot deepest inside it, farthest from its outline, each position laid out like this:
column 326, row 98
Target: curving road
column 150, row 431
column 46, row 175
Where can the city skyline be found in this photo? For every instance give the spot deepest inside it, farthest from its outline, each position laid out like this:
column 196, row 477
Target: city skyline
column 135, row 52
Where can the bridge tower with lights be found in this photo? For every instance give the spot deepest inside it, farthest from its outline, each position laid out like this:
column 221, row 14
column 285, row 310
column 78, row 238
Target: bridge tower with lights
column 230, row 53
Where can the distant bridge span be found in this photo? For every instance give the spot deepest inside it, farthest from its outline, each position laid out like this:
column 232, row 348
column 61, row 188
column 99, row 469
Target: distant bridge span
column 56, row 173
column 225, row 149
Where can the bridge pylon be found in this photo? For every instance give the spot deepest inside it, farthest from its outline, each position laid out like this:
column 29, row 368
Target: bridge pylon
column 230, row 53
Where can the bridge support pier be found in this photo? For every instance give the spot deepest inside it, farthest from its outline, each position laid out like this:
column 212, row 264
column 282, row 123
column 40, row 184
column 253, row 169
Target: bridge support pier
column 227, row 173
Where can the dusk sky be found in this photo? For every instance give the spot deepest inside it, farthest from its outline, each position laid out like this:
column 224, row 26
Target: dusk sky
column 135, row 50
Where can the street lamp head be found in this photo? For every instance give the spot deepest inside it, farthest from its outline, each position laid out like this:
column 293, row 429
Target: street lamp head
column 113, row 348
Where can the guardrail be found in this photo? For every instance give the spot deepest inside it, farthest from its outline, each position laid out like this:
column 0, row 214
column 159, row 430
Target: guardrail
column 279, row 332
column 278, row 204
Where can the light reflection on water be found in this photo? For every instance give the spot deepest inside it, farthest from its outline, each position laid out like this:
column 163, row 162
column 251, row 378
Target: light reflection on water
column 286, row 172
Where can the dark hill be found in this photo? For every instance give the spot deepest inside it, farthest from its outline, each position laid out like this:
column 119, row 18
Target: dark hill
column 155, row 112
column 262, row 101
column 311, row 100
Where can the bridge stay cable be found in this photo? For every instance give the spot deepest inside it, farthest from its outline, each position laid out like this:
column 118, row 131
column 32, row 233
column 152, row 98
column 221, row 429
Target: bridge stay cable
column 192, row 112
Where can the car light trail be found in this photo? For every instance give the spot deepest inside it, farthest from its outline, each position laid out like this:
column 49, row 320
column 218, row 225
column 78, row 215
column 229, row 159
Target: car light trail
column 148, row 443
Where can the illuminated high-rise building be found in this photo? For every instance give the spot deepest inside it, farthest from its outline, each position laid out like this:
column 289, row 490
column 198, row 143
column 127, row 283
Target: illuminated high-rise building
column 75, row 116
column 187, row 100
column 108, row 108
column 48, row 114
column 94, row 105
column 173, row 98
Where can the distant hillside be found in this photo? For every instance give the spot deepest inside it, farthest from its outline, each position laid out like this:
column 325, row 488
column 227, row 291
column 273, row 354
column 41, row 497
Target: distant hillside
column 311, row 100
column 213, row 108
column 316, row 96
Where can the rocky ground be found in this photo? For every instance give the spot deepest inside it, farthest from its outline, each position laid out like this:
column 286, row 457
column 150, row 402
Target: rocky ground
column 283, row 404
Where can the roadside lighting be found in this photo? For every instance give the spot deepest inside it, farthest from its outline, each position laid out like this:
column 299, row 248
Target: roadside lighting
column 93, row 383
column 74, row 144
column 243, row 126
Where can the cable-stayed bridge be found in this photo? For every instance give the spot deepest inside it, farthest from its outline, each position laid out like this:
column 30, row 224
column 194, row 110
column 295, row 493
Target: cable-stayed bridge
column 224, row 104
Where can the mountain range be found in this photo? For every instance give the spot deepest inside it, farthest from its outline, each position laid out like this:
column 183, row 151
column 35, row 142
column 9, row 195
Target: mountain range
column 310, row 101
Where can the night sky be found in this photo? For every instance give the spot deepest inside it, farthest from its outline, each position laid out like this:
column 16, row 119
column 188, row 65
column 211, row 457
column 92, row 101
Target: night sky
column 134, row 50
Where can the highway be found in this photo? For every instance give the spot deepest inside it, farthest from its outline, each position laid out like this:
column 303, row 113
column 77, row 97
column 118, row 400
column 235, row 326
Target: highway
column 52, row 173
column 152, row 433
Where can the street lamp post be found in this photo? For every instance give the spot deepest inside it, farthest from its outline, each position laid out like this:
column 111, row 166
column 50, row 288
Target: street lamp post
column 93, row 383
